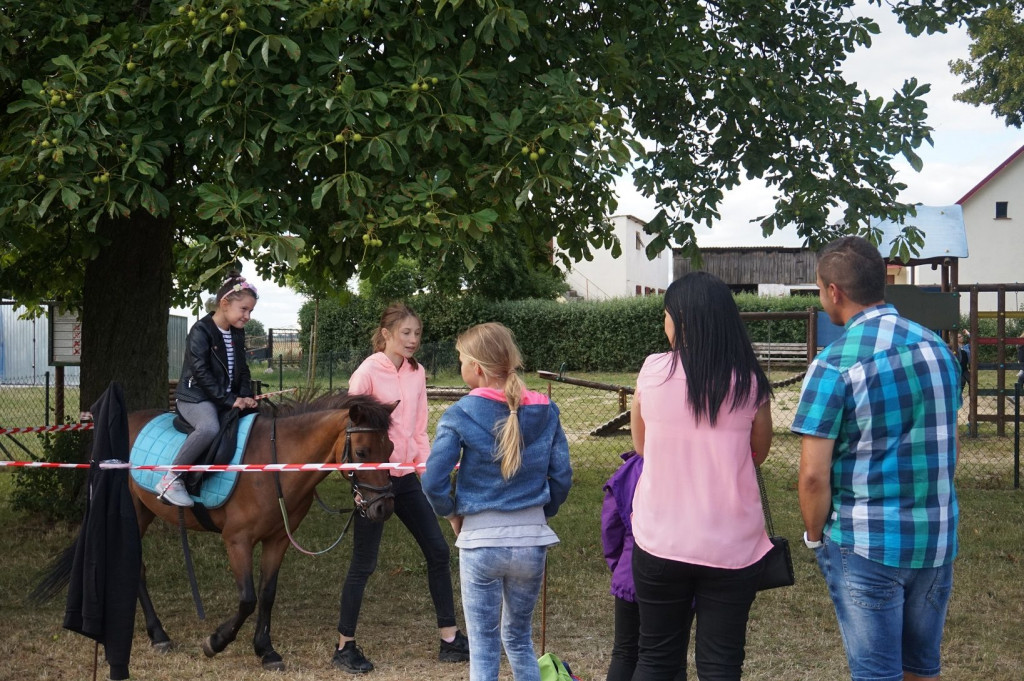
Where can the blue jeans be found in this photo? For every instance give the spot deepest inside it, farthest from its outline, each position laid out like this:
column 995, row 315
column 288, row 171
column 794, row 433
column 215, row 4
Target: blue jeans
column 890, row 618
column 500, row 586
column 414, row 511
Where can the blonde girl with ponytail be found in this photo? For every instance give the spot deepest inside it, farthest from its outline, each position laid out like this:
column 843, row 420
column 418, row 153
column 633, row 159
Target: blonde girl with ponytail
column 513, row 474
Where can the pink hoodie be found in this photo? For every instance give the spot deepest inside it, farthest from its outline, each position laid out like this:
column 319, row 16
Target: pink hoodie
column 377, row 376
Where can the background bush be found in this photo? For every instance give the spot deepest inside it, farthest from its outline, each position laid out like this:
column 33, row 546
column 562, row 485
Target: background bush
column 612, row 335
column 53, row 494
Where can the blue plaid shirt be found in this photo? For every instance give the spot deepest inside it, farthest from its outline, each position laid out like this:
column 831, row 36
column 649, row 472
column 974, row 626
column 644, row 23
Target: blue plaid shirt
column 887, row 392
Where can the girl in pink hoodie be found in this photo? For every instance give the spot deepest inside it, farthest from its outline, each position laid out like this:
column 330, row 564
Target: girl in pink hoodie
column 391, row 374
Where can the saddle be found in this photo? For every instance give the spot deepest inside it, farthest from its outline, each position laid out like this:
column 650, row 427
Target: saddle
column 221, row 450
column 159, row 440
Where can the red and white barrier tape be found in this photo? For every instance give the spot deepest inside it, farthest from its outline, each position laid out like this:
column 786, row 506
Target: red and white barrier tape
column 223, row 468
column 88, row 425
column 47, row 429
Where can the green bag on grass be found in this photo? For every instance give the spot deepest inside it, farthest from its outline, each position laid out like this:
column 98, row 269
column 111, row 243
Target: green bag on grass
column 553, row 669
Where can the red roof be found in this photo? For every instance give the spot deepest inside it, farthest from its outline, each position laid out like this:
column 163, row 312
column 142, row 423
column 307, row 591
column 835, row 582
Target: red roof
column 995, row 172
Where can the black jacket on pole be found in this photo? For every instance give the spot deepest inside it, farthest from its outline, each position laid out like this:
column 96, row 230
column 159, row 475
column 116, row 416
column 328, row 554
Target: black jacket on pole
column 108, row 552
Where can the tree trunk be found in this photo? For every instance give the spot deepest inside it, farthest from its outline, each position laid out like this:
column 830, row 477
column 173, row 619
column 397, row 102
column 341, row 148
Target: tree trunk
column 125, row 308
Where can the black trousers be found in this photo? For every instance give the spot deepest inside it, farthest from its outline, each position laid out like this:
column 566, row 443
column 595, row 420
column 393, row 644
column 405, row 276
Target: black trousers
column 412, row 508
column 626, row 646
column 669, row 593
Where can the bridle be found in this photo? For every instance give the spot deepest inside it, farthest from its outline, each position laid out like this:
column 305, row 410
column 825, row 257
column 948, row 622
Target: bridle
column 359, row 498
column 360, row 502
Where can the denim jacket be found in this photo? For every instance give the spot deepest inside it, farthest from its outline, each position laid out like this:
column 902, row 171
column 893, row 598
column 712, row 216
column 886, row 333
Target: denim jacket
column 465, row 436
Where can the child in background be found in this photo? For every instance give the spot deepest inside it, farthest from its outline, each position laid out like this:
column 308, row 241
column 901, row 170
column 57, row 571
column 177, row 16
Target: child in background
column 513, row 475
column 617, row 540
column 392, row 374
column 214, row 378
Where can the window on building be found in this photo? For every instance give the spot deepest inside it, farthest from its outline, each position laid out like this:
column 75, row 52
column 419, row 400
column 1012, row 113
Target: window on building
column 1002, row 208
column 639, row 291
column 639, row 242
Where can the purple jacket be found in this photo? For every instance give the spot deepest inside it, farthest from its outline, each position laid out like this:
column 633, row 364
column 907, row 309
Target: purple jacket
column 617, row 524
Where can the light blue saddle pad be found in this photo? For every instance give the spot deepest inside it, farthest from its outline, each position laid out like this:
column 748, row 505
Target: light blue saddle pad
column 157, row 444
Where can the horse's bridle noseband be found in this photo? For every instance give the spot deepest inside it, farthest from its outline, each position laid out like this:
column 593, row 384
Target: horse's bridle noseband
column 380, row 493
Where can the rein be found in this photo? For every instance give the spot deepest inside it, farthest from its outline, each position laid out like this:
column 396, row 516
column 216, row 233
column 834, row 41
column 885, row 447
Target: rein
column 359, row 502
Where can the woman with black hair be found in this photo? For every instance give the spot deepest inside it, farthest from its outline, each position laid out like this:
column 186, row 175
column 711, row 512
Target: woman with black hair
column 701, row 420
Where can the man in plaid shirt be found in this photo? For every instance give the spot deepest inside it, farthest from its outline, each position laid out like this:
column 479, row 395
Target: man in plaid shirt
column 878, row 415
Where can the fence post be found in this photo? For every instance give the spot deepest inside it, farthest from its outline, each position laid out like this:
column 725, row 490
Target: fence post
column 46, row 407
column 280, row 372
column 1016, row 435
column 58, row 395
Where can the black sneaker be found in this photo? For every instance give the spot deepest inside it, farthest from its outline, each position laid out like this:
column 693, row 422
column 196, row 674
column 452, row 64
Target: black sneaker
column 456, row 651
column 350, row 658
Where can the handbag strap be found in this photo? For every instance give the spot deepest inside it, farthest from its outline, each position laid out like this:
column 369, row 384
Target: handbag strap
column 768, row 526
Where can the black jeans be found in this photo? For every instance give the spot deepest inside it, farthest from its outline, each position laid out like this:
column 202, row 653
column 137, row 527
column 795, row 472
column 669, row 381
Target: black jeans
column 626, row 646
column 412, row 508
column 668, row 592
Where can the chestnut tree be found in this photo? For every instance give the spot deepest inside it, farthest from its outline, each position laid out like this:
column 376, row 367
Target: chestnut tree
column 146, row 145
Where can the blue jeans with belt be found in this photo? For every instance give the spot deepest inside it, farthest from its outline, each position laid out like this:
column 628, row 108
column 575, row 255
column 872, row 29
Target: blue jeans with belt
column 412, row 509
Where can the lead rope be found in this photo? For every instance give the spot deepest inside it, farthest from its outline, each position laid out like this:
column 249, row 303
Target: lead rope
column 284, row 509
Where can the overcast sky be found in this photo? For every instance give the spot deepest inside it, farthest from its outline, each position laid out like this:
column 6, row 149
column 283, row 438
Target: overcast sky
column 969, row 143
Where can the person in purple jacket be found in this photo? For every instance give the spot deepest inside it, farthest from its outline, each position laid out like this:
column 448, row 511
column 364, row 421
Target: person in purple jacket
column 617, row 540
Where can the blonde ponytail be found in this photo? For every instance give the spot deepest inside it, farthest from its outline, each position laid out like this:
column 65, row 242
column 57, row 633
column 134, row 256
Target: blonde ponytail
column 493, row 347
column 510, row 441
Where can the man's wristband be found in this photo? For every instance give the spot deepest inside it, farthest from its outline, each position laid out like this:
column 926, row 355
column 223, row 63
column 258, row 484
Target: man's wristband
column 811, row 544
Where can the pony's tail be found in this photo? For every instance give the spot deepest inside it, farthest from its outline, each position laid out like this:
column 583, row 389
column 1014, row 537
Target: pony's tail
column 55, row 577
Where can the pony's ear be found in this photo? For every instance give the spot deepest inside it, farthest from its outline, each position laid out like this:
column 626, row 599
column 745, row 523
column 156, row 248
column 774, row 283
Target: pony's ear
column 391, row 407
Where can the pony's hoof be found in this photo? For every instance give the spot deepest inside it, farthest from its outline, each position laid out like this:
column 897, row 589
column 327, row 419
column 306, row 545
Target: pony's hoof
column 208, row 647
column 272, row 662
column 162, row 646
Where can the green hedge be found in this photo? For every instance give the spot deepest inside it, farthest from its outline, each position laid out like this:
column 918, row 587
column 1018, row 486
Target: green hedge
column 613, row 335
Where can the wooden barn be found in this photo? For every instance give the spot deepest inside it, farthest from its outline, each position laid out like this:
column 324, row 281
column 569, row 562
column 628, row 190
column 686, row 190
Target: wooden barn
column 767, row 270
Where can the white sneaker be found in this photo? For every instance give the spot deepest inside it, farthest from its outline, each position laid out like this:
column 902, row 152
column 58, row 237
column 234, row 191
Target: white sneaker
column 171, row 490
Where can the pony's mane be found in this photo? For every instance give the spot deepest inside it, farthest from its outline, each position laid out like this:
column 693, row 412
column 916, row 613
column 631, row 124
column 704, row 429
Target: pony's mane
column 371, row 412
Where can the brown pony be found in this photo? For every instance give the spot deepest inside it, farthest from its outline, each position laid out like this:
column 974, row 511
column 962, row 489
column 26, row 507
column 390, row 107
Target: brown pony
column 335, row 428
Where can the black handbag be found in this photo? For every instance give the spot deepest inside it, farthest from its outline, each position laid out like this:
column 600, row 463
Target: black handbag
column 778, row 563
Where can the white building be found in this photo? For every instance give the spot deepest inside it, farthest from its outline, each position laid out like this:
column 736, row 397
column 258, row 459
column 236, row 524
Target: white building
column 996, row 250
column 631, row 274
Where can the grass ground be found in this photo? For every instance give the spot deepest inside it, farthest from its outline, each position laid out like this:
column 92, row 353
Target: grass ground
column 792, row 632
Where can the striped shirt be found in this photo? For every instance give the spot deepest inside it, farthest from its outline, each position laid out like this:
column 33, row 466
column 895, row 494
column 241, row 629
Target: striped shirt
column 229, row 346
column 888, row 392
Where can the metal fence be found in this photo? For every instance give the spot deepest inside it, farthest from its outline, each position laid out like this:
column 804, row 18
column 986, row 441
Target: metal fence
column 594, row 414
column 42, row 403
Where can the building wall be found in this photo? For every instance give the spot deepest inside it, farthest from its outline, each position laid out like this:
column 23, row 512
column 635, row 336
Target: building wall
column 605, row 277
column 995, row 246
column 24, row 348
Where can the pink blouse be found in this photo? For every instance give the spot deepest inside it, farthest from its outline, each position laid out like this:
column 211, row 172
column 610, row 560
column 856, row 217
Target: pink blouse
column 697, row 500
column 378, row 376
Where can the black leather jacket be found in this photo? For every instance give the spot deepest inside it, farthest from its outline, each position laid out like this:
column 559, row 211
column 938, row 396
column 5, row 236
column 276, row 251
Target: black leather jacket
column 204, row 371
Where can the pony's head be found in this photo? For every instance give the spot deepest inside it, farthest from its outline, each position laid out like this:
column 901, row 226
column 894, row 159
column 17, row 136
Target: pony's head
column 366, row 441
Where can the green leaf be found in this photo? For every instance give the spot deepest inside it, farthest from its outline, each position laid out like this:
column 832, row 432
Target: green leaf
column 321, row 190
column 291, row 47
column 146, row 168
column 69, row 197
column 47, row 200
column 348, row 86
column 154, row 201
column 22, row 104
